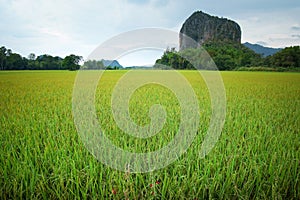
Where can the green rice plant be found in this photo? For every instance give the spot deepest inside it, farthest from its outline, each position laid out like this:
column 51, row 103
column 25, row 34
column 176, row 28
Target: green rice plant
column 257, row 155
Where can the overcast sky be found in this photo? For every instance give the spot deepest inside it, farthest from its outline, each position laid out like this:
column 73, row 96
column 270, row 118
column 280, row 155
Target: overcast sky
column 61, row 27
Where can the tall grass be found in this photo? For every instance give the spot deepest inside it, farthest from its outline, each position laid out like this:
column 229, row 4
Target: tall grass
column 257, row 155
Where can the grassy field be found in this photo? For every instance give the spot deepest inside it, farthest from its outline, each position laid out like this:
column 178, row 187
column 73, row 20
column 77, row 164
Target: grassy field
column 257, row 155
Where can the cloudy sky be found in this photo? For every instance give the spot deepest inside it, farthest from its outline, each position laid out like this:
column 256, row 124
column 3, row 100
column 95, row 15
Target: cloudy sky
column 61, row 27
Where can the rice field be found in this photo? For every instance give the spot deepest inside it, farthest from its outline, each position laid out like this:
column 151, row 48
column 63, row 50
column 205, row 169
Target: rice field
column 256, row 157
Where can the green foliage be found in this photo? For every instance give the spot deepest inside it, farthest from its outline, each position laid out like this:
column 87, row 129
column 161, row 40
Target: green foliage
column 172, row 60
column 226, row 56
column 3, row 58
column 99, row 64
column 46, row 62
column 261, row 68
column 14, row 61
column 112, row 67
column 230, row 56
column 71, row 62
column 93, row 64
column 286, row 58
column 11, row 61
column 256, row 157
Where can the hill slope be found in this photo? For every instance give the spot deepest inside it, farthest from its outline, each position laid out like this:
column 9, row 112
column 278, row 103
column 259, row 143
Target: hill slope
column 264, row 51
column 111, row 63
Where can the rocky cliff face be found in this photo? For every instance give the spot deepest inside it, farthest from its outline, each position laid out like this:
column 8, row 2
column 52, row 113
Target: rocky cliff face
column 202, row 28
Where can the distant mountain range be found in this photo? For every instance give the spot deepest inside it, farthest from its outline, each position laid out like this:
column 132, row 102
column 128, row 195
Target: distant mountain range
column 264, row 51
column 111, row 63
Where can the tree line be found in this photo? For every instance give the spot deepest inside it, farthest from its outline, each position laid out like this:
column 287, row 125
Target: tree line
column 100, row 65
column 14, row 61
column 226, row 56
column 229, row 56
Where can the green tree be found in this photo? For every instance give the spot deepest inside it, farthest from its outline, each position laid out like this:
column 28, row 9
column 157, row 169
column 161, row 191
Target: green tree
column 16, row 62
column 47, row 62
column 93, row 64
column 226, row 56
column 71, row 62
column 2, row 58
column 31, row 56
column 287, row 58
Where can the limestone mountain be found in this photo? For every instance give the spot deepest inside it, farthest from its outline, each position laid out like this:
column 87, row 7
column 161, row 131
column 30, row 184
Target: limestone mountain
column 202, row 28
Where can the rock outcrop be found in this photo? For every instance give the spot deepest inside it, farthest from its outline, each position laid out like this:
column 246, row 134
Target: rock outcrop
column 202, row 28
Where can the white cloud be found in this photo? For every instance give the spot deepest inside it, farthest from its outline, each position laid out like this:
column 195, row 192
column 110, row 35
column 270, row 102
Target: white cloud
column 272, row 27
column 61, row 27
